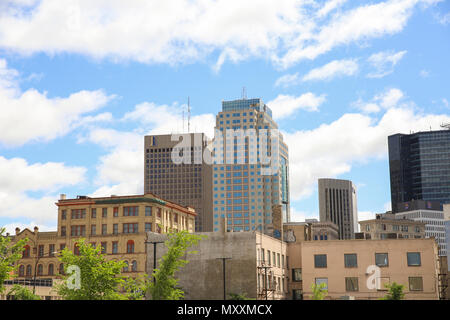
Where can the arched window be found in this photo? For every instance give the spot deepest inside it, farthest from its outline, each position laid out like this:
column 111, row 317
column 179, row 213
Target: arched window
column 51, row 269
column 26, row 252
column 40, row 270
column 130, row 246
column 22, row 271
column 28, row 270
column 61, row 268
column 125, row 269
column 134, row 266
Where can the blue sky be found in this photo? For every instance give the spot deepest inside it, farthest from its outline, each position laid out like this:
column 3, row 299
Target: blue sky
column 82, row 82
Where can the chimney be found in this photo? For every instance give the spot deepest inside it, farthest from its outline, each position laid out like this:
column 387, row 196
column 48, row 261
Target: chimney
column 223, row 225
column 17, row 231
column 62, row 196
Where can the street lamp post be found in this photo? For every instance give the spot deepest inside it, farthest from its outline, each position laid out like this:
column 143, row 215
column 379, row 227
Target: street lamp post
column 224, row 282
column 38, row 257
column 154, row 256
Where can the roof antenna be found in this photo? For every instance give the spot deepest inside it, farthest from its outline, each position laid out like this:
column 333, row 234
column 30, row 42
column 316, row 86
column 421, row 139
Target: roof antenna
column 183, row 118
column 244, row 93
column 189, row 116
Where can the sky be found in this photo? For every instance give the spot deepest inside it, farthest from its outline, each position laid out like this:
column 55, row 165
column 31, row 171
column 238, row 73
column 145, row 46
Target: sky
column 82, row 82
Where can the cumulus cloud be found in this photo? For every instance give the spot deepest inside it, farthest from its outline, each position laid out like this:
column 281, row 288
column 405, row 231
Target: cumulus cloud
column 287, row 80
column 285, row 105
column 385, row 100
column 18, row 178
column 32, row 116
column 332, row 69
column 384, row 63
column 332, row 149
column 183, row 31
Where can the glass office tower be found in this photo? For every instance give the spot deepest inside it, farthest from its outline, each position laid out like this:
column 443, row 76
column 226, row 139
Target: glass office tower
column 419, row 165
column 250, row 167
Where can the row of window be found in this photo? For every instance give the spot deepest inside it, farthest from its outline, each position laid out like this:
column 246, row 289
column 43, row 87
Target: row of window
column 80, row 230
column 277, row 259
column 126, row 212
column 381, row 260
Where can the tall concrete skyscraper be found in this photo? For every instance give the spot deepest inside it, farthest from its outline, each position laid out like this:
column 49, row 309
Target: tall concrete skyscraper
column 250, row 170
column 419, row 166
column 337, row 203
column 187, row 183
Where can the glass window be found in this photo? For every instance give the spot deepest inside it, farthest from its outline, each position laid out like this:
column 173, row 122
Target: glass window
column 297, row 294
column 415, row 284
column 322, row 280
column 351, row 284
column 148, row 211
column 297, row 274
column 320, row 260
column 413, row 259
column 350, row 260
column 381, row 259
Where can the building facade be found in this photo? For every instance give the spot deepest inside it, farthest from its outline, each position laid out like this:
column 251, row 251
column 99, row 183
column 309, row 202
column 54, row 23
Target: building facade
column 338, row 204
column 433, row 219
column 249, row 263
column 175, row 170
column 251, row 167
column 118, row 224
column 323, row 230
column 349, row 268
column 447, row 228
column 386, row 226
column 419, row 166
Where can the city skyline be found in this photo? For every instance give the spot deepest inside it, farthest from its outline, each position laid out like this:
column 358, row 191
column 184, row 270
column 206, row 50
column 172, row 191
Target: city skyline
column 75, row 108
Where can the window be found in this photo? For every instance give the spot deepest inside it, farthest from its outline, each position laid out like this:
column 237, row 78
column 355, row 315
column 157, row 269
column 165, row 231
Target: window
column 22, row 271
column 51, row 250
column 103, row 251
column 297, row 274
column 104, row 212
column 134, row 266
column 278, row 260
column 130, row 211
column 93, row 213
column 115, row 211
column 381, row 259
column 40, row 270
column 62, row 246
column 320, row 260
column 148, row 227
column 41, row 250
column 77, row 231
column 28, row 270
column 130, row 246
column 115, row 247
column 104, row 228
column 93, row 230
column 351, row 260
column 51, row 269
column 63, row 214
column 125, row 268
column 158, row 213
column 322, row 280
column 268, row 257
column 78, row 213
column 413, row 259
column 351, row 284
column 130, row 228
column 26, row 252
column 415, row 284
column 61, row 268
column 148, row 211
column 63, row 231
column 115, row 228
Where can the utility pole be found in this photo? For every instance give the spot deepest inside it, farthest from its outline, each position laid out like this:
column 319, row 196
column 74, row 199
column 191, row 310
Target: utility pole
column 224, row 282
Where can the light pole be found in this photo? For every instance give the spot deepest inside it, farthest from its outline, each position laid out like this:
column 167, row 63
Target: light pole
column 154, row 256
column 224, row 282
column 36, row 263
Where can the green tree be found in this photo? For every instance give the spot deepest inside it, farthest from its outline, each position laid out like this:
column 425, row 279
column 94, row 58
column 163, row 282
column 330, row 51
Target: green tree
column 22, row 293
column 100, row 279
column 238, row 296
column 135, row 289
column 319, row 291
column 165, row 286
column 395, row 291
column 9, row 254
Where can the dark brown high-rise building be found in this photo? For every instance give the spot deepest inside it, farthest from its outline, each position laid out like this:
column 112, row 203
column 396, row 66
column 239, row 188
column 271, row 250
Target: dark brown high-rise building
column 175, row 170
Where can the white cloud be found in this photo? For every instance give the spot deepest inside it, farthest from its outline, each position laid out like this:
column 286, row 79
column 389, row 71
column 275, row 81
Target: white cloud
column 366, row 215
column 287, row 80
column 32, row 116
column 285, row 105
column 183, row 31
column 385, row 100
column 445, row 102
column 18, row 178
column 443, row 19
column 424, row 73
column 384, row 63
column 333, row 69
column 331, row 149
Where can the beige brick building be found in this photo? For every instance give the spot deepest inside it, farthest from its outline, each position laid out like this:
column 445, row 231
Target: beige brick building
column 386, row 226
column 119, row 224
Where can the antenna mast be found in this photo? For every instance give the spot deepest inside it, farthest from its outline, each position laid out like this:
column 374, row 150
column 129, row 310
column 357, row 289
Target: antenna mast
column 244, row 93
column 189, row 116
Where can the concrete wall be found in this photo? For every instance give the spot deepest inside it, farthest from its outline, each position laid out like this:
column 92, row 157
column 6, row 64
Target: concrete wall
column 202, row 277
